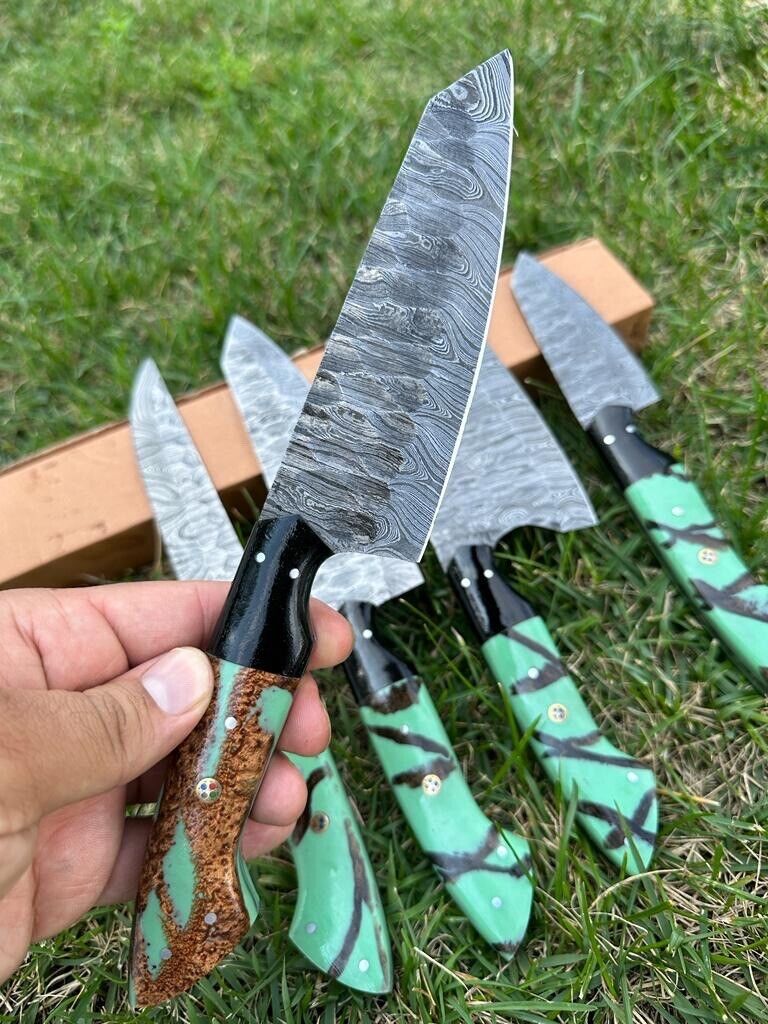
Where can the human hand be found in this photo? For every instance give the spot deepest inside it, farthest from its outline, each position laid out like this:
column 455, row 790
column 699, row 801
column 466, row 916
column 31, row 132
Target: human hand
column 90, row 706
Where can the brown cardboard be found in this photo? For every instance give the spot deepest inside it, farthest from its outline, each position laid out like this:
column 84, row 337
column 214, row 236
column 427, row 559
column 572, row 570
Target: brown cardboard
column 79, row 509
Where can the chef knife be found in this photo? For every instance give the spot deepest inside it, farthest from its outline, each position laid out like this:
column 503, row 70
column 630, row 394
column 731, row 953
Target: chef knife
column 339, row 922
column 485, row 870
column 364, row 471
column 509, row 473
column 604, row 383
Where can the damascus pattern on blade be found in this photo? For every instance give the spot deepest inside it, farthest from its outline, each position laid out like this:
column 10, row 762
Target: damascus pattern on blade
column 590, row 362
column 367, row 462
column 199, row 539
column 269, row 391
column 510, row 471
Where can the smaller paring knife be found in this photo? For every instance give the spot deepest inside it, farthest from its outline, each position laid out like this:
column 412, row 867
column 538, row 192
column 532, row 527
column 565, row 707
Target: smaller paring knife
column 364, row 472
column 339, row 922
column 509, row 473
column 485, row 869
column 604, row 383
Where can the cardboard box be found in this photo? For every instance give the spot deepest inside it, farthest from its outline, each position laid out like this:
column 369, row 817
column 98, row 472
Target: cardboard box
column 79, row 510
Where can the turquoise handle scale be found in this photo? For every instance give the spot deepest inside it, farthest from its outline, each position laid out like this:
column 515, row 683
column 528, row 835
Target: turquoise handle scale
column 616, row 794
column 485, row 870
column 339, row 922
column 698, row 555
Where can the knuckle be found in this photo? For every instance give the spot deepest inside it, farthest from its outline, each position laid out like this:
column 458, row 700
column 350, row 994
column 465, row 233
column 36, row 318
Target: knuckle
column 118, row 731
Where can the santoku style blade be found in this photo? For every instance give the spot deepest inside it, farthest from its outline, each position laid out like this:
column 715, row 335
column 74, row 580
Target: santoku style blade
column 604, row 384
column 509, row 472
column 592, row 365
column 332, row 864
column 270, row 393
column 399, row 368
column 364, row 471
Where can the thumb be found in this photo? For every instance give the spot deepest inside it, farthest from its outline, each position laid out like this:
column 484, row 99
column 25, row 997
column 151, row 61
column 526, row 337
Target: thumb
column 69, row 745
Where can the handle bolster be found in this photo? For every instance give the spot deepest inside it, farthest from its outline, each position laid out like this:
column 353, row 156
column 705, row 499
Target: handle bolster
column 370, row 667
column 489, row 602
column 264, row 622
column 629, row 457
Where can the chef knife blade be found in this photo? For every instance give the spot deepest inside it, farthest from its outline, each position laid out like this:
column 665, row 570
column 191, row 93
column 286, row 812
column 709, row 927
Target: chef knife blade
column 510, row 472
column 485, row 871
column 364, row 471
column 604, row 383
column 339, row 922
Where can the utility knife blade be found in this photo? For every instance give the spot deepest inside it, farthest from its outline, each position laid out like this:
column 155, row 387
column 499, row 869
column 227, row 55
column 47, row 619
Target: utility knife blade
column 364, row 471
column 511, row 472
column 339, row 922
column 604, row 383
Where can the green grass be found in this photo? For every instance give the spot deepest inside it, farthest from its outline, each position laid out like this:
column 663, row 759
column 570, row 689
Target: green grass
column 162, row 166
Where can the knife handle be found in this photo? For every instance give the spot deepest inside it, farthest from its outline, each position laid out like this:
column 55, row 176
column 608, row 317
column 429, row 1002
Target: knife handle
column 195, row 900
column 614, row 791
column 691, row 545
column 339, row 922
column 485, row 869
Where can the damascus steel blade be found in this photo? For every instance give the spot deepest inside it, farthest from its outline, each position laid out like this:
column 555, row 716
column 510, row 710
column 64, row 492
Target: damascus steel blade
column 269, row 391
column 199, row 539
column 367, row 463
column 510, row 471
column 590, row 362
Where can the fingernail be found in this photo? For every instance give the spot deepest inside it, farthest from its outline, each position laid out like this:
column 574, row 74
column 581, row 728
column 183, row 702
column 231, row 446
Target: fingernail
column 179, row 680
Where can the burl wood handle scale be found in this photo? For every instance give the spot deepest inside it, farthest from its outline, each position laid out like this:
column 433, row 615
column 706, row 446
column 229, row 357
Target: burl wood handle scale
column 196, row 899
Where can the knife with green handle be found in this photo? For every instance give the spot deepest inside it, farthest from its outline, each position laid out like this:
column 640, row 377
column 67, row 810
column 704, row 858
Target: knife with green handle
column 364, row 472
column 339, row 922
column 510, row 473
column 485, row 869
column 604, row 383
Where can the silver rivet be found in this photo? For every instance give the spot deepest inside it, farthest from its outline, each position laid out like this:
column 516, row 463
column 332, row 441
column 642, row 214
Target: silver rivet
column 210, row 918
column 367, row 634
column 260, row 556
column 630, row 428
column 319, row 822
column 465, row 582
column 230, row 723
column 311, row 927
column 533, row 673
column 501, row 851
column 363, row 965
column 165, row 954
column 496, row 902
column 488, row 573
column 632, row 776
column 405, row 729
column 208, row 790
column 707, row 556
column 557, row 712
column 609, row 439
column 431, row 784
column 678, row 510
column 294, row 574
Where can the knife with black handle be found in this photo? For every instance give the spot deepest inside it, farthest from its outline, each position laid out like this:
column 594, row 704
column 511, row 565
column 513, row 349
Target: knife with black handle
column 338, row 922
column 510, row 473
column 485, row 869
column 604, row 384
column 364, row 472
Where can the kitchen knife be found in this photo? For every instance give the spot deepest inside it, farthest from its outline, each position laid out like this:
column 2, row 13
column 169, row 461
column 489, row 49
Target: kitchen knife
column 364, row 471
column 339, row 922
column 485, row 870
column 509, row 473
column 604, row 383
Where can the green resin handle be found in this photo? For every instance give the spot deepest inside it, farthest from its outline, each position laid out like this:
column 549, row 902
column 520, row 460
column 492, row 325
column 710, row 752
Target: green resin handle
column 698, row 555
column 339, row 922
column 616, row 795
column 486, row 871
